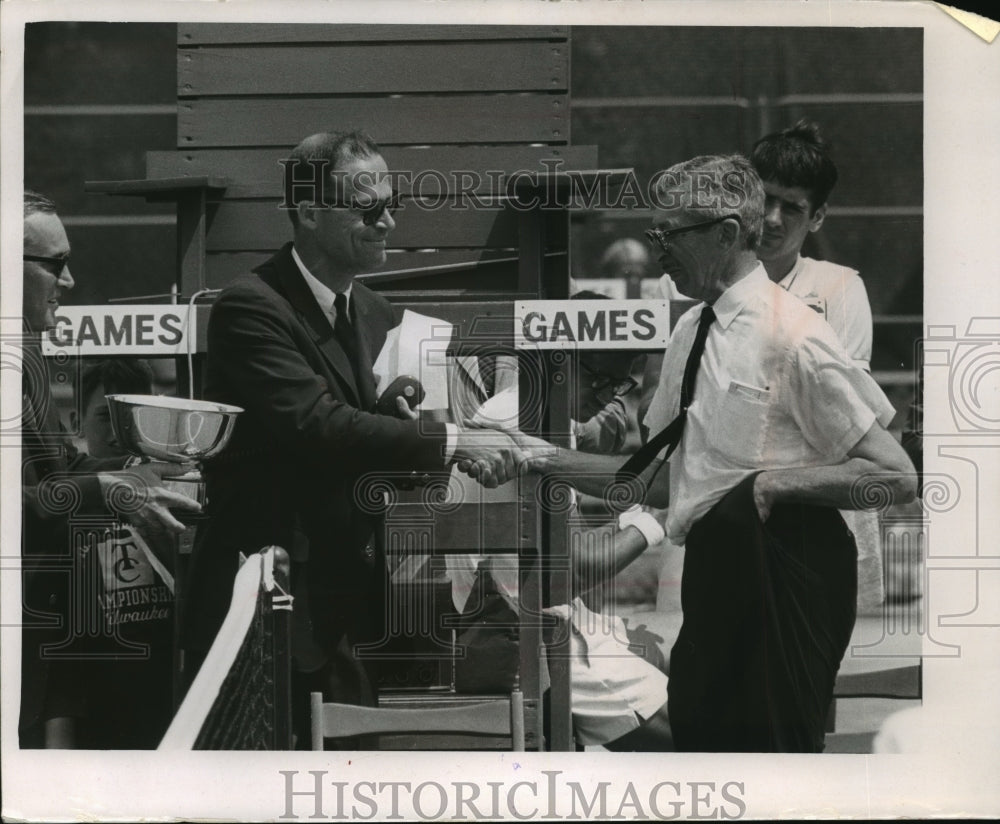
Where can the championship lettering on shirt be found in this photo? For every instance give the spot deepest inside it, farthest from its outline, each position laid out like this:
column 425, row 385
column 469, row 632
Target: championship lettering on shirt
column 133, row 593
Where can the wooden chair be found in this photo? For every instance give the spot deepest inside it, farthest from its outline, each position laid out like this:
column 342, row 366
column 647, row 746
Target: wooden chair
column 495, row 718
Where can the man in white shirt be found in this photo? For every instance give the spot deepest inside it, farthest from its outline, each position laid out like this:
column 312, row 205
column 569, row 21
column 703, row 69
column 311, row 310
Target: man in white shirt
column 798, row 176
column 777, row 430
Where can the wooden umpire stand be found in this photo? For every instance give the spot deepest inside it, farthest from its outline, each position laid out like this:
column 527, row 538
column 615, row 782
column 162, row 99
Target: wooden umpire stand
column 478, row 116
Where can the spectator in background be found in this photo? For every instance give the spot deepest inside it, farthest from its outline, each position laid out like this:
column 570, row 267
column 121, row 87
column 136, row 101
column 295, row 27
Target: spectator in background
column 626, row 259
column 618, row 686
column 125, row 376
column 798, row 176
column 601, row 423
column 54, row 473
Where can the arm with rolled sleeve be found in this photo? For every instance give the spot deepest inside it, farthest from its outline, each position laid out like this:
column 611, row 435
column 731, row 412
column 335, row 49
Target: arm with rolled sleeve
column 842, row 412
column 605, row 433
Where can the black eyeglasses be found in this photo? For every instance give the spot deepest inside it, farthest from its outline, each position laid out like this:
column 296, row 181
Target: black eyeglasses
column 608, row 384
column 662, row 237
column 60, row 263
column 372, row 212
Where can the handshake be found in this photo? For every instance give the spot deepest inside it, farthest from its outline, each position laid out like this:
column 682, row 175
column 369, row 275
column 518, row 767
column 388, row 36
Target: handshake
column 493, row 457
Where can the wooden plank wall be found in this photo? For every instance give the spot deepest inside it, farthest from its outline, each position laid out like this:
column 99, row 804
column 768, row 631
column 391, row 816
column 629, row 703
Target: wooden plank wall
column 440, row 100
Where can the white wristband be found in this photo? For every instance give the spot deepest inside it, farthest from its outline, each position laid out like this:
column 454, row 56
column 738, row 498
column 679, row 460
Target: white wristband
column 644, row 522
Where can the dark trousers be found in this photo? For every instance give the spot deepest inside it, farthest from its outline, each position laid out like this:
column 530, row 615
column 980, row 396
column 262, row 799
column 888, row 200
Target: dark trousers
column 768, row 614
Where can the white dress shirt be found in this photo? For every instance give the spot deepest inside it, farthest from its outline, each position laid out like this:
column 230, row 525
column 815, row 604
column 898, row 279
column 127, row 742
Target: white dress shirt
column 775, row 389
column 325, row 296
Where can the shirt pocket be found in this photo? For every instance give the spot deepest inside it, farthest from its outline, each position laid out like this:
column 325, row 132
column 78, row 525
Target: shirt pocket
column 738, row 425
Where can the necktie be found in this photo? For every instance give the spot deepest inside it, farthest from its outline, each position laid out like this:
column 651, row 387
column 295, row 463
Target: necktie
column 671, row 435
column 343, row 331
column 342, row 327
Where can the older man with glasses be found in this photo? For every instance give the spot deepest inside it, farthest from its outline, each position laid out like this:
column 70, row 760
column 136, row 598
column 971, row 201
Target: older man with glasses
column 769, row 427
column 55, row 578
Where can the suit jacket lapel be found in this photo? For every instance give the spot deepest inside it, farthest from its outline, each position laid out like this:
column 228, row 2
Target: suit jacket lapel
column 316, row 320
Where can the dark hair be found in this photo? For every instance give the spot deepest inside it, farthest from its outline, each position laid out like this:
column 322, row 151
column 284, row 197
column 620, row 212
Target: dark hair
column 35, row 202
column 127, row 376
column 337, row 148
column 797, row 156
column 587, row 294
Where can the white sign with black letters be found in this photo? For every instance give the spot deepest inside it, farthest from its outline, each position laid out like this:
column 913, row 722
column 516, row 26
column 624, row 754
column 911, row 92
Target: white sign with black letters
column 591, row 324
column 134, row 329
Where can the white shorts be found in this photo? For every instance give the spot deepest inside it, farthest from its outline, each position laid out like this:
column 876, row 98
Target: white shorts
column 613, row 689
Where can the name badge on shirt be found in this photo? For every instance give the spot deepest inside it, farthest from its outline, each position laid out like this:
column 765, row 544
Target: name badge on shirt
column 750, row 393
column 816, row 303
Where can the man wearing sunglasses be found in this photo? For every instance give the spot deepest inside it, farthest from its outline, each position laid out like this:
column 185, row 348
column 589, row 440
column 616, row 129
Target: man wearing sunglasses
column 769, row 428
column 54, row 473
column 293, row 344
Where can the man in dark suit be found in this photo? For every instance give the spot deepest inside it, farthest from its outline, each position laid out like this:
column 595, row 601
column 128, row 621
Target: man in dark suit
column 58, row 483
column 293, row 344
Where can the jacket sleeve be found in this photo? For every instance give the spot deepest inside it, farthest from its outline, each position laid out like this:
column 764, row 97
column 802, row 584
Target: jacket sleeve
column 257, row 347
column 71, row 490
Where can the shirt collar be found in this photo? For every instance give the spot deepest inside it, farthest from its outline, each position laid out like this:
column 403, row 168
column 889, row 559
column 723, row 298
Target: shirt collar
column 786, row 282
column 732, row 301
column 324, row 295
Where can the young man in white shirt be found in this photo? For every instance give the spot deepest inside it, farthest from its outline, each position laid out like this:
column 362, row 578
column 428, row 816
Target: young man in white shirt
column 798, row 176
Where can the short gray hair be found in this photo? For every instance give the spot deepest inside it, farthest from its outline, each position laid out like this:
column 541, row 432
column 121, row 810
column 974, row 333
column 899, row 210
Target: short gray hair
column 37, row 203
column 335, row 149
column 715, row 186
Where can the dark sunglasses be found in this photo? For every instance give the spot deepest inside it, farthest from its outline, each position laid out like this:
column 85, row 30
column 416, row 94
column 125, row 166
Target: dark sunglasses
column 372, row 212
column 618, row 387
column 59, row 263
column 662, row 237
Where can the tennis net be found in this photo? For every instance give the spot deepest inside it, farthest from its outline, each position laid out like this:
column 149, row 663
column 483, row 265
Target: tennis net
column 241, row 697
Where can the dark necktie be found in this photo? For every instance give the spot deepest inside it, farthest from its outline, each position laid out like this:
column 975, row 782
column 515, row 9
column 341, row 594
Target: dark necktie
column 343, row 331
column 671, row 435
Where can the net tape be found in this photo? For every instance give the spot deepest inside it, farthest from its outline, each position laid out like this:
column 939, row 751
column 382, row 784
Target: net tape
column 232, row 702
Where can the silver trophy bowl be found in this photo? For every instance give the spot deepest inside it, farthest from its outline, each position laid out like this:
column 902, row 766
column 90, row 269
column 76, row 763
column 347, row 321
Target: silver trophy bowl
column 171, row 429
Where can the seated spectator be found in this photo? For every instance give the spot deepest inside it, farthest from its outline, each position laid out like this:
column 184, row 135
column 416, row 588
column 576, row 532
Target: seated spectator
column 618, row 698
column 604, row 417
